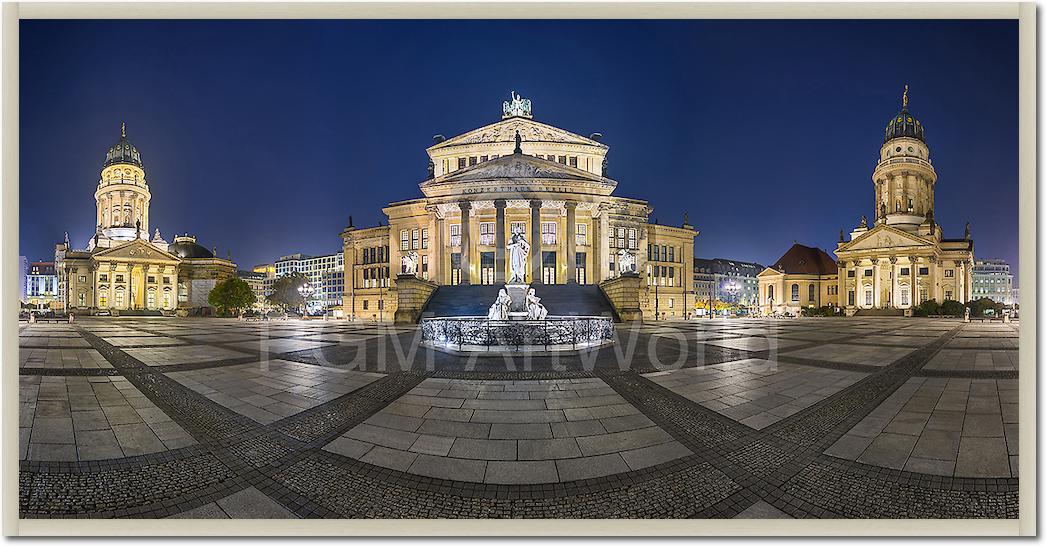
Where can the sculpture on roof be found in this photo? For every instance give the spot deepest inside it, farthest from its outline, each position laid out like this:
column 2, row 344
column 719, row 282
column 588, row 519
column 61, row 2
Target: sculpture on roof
column 626, row 261
column 518, row 106
column 410, row 263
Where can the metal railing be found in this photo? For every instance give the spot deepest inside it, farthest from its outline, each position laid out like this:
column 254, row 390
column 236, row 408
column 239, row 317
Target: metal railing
column 517, row 334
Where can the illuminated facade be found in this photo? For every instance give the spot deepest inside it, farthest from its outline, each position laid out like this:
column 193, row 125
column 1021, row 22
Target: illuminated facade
column 517, row 174
column 121, row 268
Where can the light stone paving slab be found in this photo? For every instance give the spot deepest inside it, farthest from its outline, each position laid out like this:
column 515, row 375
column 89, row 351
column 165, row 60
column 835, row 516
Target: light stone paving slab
column 83, row 359
column 549, row 431
column 91, row 418
column 950, row 427
column 163, row 356
column 755, row 392
column 271, row 390
column 852, row 354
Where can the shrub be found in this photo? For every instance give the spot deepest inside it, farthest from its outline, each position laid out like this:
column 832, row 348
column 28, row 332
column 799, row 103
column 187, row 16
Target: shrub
column 979, row 307
column 952, row 308
column 927, row 308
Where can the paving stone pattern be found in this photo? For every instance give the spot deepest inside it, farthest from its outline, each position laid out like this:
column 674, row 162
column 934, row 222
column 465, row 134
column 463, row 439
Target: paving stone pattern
column 217, row 418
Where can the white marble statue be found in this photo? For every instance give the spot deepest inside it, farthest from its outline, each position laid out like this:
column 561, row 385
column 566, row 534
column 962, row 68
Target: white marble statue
column 410, row 263
column 535, row 311
column 518, row 249
column 626, row 261
column 499, row 310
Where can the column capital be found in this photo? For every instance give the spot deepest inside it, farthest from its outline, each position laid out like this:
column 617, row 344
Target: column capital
column 500, row 203
column 465, row 205
column 893, row 259
column 570, row 204
column 535, row 203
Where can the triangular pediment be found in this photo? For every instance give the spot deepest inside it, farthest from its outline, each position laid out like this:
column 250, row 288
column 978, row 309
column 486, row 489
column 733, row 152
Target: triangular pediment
column 768, row 272
column 505, row 131
column 518, row 173
column 138, row 249
column 883, row 236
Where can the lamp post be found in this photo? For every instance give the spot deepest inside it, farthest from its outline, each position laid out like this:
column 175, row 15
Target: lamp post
column 305, row 291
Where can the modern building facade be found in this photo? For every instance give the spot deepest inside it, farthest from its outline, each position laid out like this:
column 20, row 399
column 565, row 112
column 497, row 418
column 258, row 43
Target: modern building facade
column 992, row 279
column 326, row 276
column 729, row 281
column 41, row 285
column 903, row 258
column 121, row 268
column 804, row 276
column 517, row 175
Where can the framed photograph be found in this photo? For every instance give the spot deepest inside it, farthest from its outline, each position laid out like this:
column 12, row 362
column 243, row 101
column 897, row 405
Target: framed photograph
column 460, row 269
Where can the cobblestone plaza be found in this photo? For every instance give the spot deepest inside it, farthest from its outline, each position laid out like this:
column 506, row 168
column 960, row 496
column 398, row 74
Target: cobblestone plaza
column 214, row 418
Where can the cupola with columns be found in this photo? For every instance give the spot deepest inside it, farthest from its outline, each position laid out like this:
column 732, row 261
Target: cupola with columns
column 904, row 178
column 122, row 197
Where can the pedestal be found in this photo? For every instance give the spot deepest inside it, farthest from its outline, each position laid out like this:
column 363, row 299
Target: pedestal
column 627, row 294
column 412, row 294
column 517, row 308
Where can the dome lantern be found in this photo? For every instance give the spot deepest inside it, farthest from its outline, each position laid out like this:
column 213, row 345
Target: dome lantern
column 904, row 124
column 123, row 152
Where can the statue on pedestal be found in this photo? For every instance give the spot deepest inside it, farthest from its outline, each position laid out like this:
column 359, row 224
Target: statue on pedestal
column 518, row 249
column 535, row 311
column 499, row 310
column 410, row 263
column 626, row 261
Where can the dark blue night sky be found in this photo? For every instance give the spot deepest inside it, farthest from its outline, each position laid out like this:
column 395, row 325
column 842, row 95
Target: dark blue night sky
column 262, row 137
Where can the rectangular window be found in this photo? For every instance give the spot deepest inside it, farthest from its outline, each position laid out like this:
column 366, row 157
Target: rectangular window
column 83, row 278
column 582, row 235
column 949, row 273
column 580, row 260
column 472, row 161
column 105, row 278
column 947, row 294
column 563, row 159
column 455, row 235
column 415, row 235
column 455, row 268
column 851, row 273
column 404, row 240
column 548, row 233
column 548, row 267
column 425, row 267
column 461, row 162
column 906, row 271
column 671, row 276
column 573, row 161
column 424, row 238
column 167, row 280
column 924, row 270
column 633, row 242
column 482, row 158
column 621, row 242
column 518, row 227
column 486, row 267
column 150, row 278
column 119, row 278
column 486, row 233
column 657, row 253
column 102, row 301
column 365, row 302
column 671, row 253
column 904, row 296
column 867, row 272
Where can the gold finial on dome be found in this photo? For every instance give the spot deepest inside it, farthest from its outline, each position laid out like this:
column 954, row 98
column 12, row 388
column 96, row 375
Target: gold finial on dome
column 123, row 130
column 904, row 99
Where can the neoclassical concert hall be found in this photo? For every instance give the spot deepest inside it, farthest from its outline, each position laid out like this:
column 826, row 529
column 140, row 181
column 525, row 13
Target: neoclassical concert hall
column 518, row 175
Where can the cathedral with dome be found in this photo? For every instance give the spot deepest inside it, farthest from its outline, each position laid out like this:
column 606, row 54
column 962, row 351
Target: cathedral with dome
column 123, row 268
column 901, row 257
column 519, row 178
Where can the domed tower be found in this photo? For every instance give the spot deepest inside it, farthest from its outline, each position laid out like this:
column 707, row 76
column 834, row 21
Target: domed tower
column 123, row 193
column 904, row 179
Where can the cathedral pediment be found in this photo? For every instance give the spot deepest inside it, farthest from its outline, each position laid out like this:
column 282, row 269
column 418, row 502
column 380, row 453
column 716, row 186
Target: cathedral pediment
column 884, row 236
column 136, row 250
column 505, row 131
column 518, row 173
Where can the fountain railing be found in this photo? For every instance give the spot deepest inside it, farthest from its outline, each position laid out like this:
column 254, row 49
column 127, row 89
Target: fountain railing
column 550, row 333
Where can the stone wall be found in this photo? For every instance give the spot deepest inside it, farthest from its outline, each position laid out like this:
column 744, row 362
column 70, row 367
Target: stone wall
column 627, row 294
column 412, row 294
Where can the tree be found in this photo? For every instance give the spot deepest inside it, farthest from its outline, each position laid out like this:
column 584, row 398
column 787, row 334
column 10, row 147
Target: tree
column 952, row 308
column 285, row 293
column 927, row 308
column 231, row 294
column 980, row 307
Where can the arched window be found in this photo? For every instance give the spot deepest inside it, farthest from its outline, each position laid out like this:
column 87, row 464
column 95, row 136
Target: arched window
column 813, row 293
column 795, row 292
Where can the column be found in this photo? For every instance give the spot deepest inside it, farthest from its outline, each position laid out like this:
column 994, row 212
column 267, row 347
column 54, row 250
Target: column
column 603, row 244
column 571, row 236
column 499, row 240
column 840, row 286
column 913, row 288
column 875, row 283
column 440, row 254
column 535, row 241
column 932, row 278
column 466, row 243
column 893, row 282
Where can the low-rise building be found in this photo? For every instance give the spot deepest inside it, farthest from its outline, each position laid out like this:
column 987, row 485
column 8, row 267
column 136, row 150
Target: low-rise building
column 803, row 277
column 326, row 276
column 992, row 279
column 41, row 285
column 729, row 281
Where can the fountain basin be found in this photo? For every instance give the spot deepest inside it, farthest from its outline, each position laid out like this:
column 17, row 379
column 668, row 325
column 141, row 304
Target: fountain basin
column 553, row 334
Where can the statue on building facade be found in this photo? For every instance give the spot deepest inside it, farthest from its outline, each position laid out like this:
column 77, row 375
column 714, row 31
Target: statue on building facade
column 864, row 221
column 626, row 261
column 518, row 249
column 535, row 311
column 882, row 211
column 499, row 310
column 410, row 263
column 967, row 234
column 518, row 106
column 841, row 239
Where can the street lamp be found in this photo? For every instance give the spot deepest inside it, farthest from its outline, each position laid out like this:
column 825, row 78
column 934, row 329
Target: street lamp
column 732, row 288
column 305, row 291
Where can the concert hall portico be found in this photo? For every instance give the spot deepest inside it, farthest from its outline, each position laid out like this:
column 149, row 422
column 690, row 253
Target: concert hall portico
column 518, row 175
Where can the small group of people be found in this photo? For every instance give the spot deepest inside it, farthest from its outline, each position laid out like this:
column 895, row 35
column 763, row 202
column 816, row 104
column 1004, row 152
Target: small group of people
column 500, row 308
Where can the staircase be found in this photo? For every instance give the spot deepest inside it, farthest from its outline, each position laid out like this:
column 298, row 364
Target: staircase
column 559, row 299
column 879, row 313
